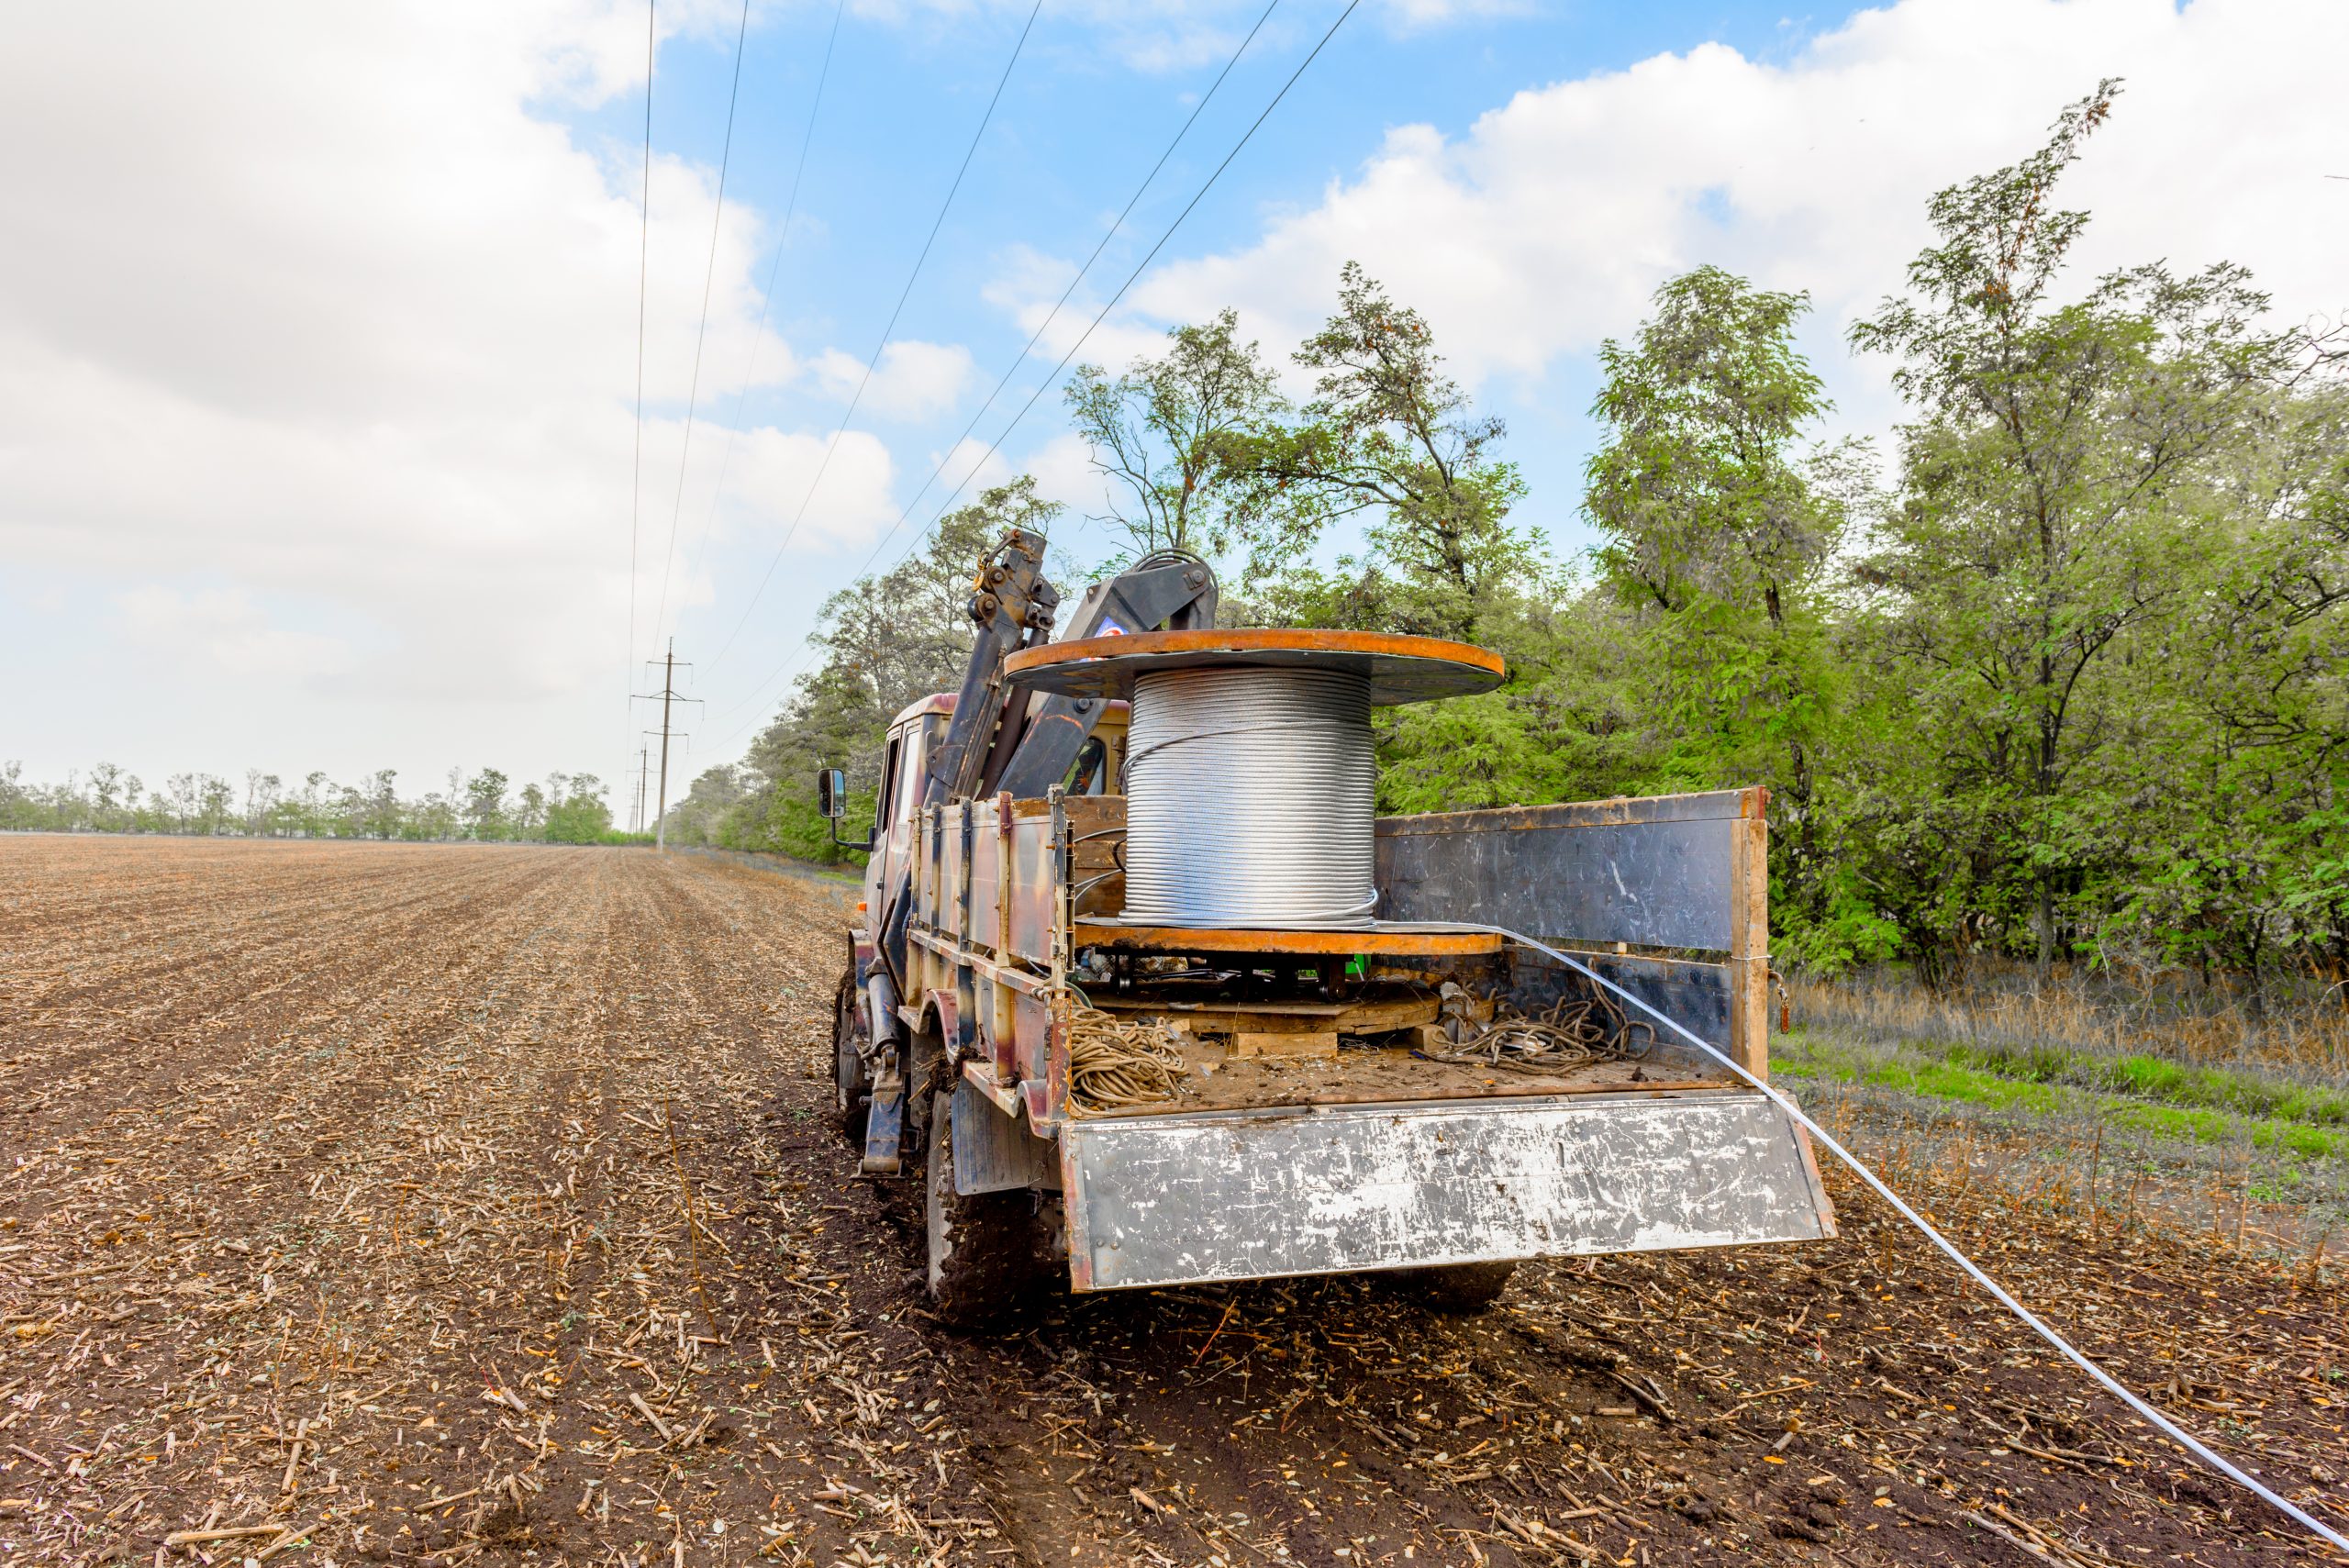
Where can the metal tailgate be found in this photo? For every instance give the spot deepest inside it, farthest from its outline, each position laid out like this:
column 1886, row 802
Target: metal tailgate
column 1328, row 1189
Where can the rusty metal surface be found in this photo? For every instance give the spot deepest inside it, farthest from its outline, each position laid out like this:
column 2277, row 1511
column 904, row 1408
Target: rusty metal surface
column 1034, row 888
column 1182, row 1199
column 1401, row 668
column 1616, row 811
column 992, row 1152
column 937, row 702
column 980, row 1076
column 1569, row 873
column 1398, row 941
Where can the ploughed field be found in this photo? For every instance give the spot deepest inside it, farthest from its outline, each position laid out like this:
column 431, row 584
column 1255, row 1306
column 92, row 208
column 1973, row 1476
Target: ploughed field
column 454, row 1203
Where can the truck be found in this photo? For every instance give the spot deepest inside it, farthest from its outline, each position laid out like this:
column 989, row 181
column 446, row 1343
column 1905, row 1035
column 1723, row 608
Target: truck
column 1093, row 1103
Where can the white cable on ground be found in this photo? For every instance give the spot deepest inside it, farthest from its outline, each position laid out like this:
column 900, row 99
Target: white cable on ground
column 2105, row 1379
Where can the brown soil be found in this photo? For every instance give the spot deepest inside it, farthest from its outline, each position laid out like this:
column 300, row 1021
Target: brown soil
column 450, row 1202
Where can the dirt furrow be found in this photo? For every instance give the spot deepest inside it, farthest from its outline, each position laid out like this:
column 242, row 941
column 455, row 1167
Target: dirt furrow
column 486, row 1203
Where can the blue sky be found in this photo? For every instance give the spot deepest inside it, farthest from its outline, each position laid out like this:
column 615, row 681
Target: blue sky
column 1081, row 119
column 317, row 333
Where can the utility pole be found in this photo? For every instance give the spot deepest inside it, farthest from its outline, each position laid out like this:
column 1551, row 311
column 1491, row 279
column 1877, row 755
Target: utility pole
column 668, row 694
column 636, row 812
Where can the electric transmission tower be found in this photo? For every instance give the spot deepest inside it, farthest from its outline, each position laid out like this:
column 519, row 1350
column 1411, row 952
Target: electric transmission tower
column 667, row 695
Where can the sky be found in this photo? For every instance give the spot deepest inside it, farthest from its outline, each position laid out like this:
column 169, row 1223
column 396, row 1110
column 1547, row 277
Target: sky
column 320, row 325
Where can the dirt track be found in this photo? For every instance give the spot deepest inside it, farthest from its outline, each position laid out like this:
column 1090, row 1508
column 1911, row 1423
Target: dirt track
column 454, row 1203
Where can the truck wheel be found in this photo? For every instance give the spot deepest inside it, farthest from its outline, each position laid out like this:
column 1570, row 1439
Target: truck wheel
column 983, row 1257
column 852, row 1088
column 1455, row 1287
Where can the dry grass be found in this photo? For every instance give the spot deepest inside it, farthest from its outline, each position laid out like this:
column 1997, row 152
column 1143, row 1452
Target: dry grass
column 2298, row 1025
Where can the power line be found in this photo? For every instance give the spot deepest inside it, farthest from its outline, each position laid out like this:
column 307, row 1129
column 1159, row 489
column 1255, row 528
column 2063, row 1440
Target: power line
column 1109, row 234
column 1098, row 318
column 709, row 274
column 1132, row 278
column 643, row 254
column 907, row 293
column 766, row 300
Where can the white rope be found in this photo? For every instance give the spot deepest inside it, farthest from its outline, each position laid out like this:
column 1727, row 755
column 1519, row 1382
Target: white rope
column 2109, row 1384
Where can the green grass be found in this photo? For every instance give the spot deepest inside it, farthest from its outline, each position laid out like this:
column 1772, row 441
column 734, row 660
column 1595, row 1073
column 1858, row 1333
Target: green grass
column 2200, row 1105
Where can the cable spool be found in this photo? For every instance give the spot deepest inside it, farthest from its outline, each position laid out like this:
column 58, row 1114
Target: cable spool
column 1250, row 774
column 1249, row 798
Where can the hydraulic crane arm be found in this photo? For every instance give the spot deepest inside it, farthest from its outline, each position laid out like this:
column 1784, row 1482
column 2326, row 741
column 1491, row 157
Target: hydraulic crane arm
column 1173, row 591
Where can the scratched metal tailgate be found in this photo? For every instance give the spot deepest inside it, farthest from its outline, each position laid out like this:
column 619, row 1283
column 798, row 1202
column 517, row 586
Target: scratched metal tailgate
column 1334, row 1189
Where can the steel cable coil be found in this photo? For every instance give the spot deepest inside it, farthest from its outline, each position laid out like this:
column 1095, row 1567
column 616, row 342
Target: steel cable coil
column 1249, row 798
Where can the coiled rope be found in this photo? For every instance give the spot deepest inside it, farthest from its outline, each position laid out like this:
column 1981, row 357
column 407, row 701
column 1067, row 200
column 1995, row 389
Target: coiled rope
column 1249, row 799
column 1974, row 1271
column 1114, row 1062
column 1569, row 1034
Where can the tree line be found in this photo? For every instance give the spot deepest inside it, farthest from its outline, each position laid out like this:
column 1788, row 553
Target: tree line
column 2060, row 676
column 567, row 808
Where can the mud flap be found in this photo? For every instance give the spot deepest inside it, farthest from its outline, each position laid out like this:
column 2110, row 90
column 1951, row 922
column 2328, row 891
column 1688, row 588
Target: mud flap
column 994, row 1153
column 1335, row 1189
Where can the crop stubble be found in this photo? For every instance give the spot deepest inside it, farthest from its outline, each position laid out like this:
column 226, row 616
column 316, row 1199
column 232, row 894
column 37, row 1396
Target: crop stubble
column 435, row 1203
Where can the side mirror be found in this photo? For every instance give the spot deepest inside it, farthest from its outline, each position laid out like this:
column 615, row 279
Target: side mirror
column 831, row 802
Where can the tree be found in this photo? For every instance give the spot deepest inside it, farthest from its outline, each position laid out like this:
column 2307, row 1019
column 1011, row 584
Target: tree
column 379, row 808
column 215, row 804
column 1163, row 433
column 1717, row 534
column 108, row 786
column 262, row 791
column 2051, row 493
column 530, row 815
column 581, row 816
column 484, row 805
column 1389, row 434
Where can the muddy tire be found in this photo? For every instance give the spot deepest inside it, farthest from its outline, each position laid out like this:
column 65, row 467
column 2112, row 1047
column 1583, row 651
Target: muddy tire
column 851, row 1086
column 1458, row 1288
column 986, row 1261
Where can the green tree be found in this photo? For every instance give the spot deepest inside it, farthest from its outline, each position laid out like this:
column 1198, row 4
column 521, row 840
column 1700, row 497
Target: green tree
column 2052, row 489
column 1390, row 436
column 530, row 813
column 1164, row 434
column 484, row 806
column 581, row 816
column 1717, row 532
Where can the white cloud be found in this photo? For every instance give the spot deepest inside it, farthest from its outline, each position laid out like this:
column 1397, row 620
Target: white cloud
column 1546, row 227
column 913, row 381
column 1179, row 35
column 1065, row 472
column 313, row 303
column 223, row 633
column 769, row 488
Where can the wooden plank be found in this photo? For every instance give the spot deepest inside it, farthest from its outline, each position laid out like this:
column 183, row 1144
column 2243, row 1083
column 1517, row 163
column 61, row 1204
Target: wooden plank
column 1749, row 949
column 1374, row 1016
column 1322, row 1044
column 1404, row 943
column 1501, row 1089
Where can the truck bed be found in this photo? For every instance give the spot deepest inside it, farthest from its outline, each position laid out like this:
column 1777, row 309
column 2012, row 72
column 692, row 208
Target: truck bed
column 1377, row 1075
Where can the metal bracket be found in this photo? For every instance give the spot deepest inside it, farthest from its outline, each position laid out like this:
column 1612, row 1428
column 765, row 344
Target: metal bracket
column 884, row 1125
